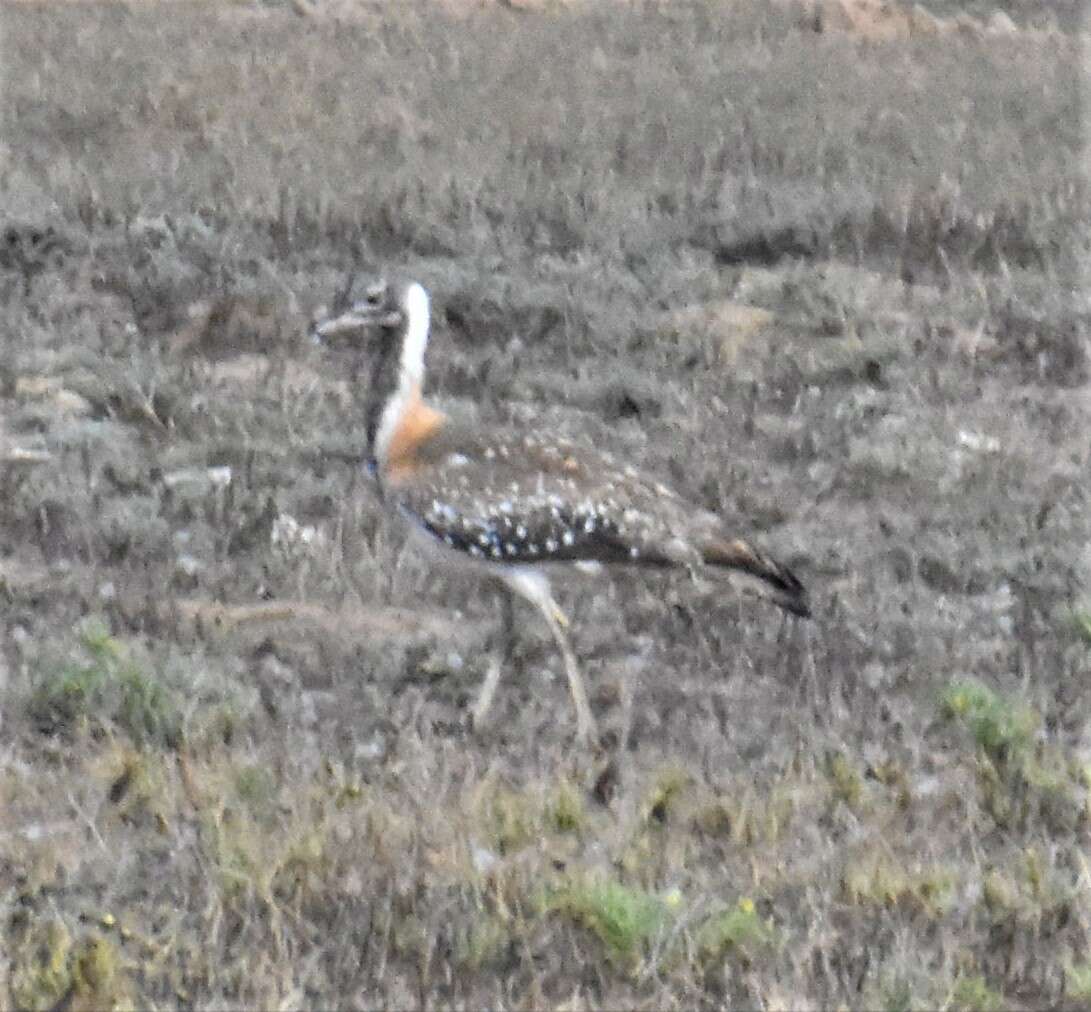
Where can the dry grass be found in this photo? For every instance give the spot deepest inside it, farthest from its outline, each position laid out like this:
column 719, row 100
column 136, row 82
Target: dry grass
column 829, row 287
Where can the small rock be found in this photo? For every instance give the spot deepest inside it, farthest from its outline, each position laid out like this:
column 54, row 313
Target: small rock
column 1000, row 24
column 484, row 860
column 975, row 441
column 219, row 477
column 371, row 750
column 187, row 565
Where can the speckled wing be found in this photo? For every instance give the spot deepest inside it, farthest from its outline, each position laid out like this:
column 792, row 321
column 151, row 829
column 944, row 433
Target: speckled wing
column 530, row 500
column 534, row 500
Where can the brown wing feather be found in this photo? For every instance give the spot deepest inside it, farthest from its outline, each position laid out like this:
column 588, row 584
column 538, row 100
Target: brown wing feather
column 779, row 583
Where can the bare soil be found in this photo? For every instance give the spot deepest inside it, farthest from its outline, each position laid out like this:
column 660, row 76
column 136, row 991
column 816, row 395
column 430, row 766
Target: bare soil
column 830, row 285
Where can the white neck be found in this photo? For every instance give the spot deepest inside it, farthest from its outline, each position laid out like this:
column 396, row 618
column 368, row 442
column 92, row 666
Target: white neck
column 411, row 368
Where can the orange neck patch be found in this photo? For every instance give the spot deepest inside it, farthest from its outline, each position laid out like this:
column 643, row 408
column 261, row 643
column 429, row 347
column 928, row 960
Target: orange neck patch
column 417, row 424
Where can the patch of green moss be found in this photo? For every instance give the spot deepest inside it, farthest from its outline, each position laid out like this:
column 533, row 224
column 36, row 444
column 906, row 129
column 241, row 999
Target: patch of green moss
column 623, row 919
column 96, row 639
column 1077, row 981
column 1001, row 727
column 1081, row 622
column 146, row 710
column 973, row 994
column 103, row 683
column 738, row 931
column 255, row 785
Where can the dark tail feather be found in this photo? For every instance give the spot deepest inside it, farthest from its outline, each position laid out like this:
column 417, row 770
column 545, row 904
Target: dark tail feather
column 772, row 580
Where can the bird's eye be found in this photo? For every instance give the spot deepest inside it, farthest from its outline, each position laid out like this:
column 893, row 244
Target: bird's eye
column 374, row 294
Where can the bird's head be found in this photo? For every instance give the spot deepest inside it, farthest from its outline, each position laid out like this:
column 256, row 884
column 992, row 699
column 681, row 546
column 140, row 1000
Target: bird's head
column 386, row 306
column 390, row 322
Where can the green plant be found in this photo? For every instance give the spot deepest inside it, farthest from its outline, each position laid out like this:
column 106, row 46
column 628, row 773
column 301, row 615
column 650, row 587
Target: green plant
column 846, row 784
column 42, row 967
column 973, row 994
column 1077, row 980
column 667, row 790
column 1000, row 726
column 622, row 918
column 509, row 818
column 881, row 881
column 739, row 930
column 1081, row 622
column 105, row 682
column 482, row 941
column 255, row 785
column 565, row 809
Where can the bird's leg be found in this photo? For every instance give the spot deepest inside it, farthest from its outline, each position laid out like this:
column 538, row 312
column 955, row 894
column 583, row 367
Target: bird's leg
column 507, row 625
column 500, row 659
column 585, row 721
column 534, row 586
column 488, row 690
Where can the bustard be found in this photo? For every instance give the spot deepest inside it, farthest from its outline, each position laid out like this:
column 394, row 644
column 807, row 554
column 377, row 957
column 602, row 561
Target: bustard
column 511, row 505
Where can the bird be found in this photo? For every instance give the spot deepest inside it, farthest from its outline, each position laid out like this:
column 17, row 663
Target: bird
column 516, row 505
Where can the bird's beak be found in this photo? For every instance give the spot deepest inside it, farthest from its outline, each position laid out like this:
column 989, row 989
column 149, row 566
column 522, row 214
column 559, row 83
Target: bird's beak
column 359, row 315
